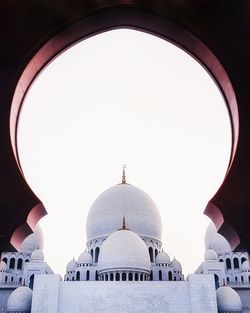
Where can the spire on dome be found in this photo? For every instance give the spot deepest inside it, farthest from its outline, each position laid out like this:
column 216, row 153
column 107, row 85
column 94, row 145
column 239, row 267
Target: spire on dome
column 124, row 226
column 123, row 223
column 123, row 174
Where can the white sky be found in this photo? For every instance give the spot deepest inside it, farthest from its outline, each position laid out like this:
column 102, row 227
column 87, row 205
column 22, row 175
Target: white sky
column 124, row 97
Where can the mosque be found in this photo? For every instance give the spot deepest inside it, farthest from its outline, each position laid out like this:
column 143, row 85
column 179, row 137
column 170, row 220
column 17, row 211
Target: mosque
column 124, row 268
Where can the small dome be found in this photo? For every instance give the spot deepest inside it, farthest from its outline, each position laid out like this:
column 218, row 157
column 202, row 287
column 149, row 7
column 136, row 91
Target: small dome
column 124, row 249
column 33, row 241
column 215, row 241
column 176, row 265
column 121, row 200
column 3, row 266
column 245, row 266
column 37, row 256
column 20, row 300
column 162, row 258
column 72, row 265
column 85, row 258
column 210, row 255
column 228, row 300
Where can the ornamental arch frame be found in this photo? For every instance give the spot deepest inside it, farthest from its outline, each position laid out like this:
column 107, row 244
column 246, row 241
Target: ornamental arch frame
column 103, row 19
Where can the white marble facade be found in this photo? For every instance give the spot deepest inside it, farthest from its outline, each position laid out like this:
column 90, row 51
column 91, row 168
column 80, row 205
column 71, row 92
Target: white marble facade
column 195, row 295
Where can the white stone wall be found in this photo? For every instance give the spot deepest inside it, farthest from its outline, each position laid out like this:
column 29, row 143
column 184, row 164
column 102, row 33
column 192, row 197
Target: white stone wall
column 197, row 295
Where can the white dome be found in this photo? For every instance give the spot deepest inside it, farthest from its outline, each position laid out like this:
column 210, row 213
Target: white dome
column 162, row 258
column 85, row 258
column 228, row 300
column 20, row 300
column 123, row 250
column 245, row 266
column 34, row 241
column 215, row 241
column 176, row 265
column 3, row 266
column 210, row 255
column 71, row 266
column 37, row 256
column 124, row 200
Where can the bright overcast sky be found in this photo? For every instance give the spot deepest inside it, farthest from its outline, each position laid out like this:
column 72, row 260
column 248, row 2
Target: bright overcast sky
column 124, row 97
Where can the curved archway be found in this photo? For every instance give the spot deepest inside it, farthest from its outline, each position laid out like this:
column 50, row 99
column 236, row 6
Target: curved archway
column 161, row 27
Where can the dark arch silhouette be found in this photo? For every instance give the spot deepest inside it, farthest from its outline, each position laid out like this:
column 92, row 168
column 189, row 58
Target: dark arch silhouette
column 20, row 264
column 216, row 281
column 236, row 262
column 31, row 281
column 97, row 250
column 12, row 263
column 77, row 275
column 228, row 264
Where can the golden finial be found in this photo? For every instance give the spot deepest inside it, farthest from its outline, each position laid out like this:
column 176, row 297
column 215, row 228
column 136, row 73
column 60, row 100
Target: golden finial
column 123, row 174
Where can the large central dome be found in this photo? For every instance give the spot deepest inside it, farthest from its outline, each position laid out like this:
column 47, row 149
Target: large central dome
column 123, row 200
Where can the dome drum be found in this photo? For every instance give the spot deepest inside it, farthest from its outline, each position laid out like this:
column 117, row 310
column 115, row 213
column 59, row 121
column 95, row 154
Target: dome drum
column 129, row 275
column 123, row 269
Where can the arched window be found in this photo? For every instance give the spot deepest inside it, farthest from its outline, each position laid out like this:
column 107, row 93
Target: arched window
column 12, row 263
column 150, row 250
column 19, row 264
column 106, row 277
column 160, row 275
column 170, row 276
column 123, row 276
column 12, row 278
column 130, row 276
column 228, row 279
column 236, row 263
column 216, row 281
column 249, row 278
column 20, row 279
column 242, row 278
column 111, row 276
column 97, row 250
column 151, row 275
column 6, row 279
column 5, row 260
column 220, row 260
column 228, row 263
column 141, row 277
column 87, row 275
column 117, row 276
column 31, row 281
column 243, row 260
column 91, row 253
column 77, row 275
column 236, row 279
column 136, row 277
column 73, row 278
column 156, row 253
column 27, row 260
